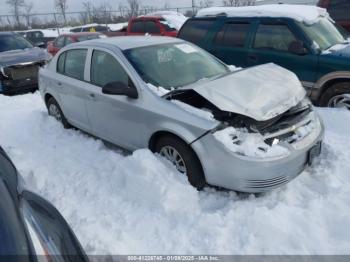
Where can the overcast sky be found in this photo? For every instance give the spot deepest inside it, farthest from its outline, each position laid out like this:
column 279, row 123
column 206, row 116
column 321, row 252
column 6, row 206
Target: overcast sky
column 44, row 6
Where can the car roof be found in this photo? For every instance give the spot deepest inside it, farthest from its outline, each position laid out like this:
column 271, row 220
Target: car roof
column 130, row 42
column 302, row 13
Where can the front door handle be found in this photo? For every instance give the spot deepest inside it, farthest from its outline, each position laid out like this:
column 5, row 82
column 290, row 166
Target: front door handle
column 253, row 58
column 92, row 97
column 59, row 84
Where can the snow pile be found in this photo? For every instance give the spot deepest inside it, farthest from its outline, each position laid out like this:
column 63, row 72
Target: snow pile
column 301, row 13
column 195, row 111
column 139, row 204
column 241, row 142
column 175, row 19
column 118, row 26
column 336, row 48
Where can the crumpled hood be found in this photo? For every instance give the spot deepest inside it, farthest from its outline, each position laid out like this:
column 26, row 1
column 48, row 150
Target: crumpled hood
column 261, row 92
column 22, row 56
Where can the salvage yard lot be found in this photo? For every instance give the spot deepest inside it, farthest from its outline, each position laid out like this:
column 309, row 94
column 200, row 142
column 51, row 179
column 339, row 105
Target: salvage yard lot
column 139, row 204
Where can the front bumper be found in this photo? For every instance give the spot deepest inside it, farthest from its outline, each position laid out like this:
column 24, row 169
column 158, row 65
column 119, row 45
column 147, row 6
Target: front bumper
column 252, row 175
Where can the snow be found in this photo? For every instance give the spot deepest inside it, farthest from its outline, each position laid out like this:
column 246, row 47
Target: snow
column 159, row 91
column 118, row 26
column 175, row 19
column 195, row 111
column 301, row 13
column 336, row 48
column 139, row 204
column 241, row 142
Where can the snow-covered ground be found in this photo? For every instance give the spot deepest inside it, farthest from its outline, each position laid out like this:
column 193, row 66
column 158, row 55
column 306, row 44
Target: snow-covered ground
column 139, row 204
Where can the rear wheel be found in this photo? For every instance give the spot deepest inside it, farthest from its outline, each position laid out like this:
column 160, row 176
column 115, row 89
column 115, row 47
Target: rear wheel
column 183, row 158
column 56, row 112
column 337, row 96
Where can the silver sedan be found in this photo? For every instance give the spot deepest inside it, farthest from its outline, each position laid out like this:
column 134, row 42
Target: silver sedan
column 249, row 130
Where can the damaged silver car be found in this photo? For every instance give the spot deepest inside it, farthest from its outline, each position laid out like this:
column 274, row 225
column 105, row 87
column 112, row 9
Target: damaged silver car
column 247, row 130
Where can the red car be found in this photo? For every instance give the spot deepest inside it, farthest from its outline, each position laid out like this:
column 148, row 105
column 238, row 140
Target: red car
column 339, row 11
column 153, row 25
column 66, row 39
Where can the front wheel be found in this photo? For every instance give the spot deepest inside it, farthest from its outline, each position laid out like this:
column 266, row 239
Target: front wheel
column 183, row 158
column 337, row 96
column 56, row 112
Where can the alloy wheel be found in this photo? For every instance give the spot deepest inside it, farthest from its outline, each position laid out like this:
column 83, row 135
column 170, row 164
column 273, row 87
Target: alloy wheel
column 340, row 101
column 174, row 157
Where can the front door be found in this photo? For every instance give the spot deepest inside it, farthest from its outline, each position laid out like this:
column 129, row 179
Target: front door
column 115, row 118
column 272, row 44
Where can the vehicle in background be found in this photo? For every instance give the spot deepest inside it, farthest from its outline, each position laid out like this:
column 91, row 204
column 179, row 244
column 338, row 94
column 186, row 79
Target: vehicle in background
column 19, row 64
column 109, row 30
column 251, row 130
column 339, row 10
column 31, row 229
column 152, row 25
column 298, row 37
column 40, row 38
column 66, row 39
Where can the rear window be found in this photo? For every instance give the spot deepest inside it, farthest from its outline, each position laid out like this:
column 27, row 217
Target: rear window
column 195, row 30
column 339, row 9
column 232, row 34
column 151, row 27
column 137, row 27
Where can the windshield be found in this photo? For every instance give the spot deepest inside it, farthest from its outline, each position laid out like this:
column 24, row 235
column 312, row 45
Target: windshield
column 13, row 42
column 174, row 65
column 324, row 33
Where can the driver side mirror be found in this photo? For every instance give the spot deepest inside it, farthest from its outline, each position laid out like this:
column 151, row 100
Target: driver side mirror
column 297, row 48
column 119, row 88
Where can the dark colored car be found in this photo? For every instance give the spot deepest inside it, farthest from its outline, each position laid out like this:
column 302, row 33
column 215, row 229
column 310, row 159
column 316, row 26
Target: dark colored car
column 29, row 225
column 153, row 25
column 40, row 38
column 66, row 39
column 316, row 51
column 19, row 64
column 339, row 11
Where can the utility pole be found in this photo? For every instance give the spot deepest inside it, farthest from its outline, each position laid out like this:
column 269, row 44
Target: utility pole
column 193, row 6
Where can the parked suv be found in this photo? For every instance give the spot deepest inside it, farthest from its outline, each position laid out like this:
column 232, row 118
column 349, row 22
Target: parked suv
column 339, row 11
column 300, row 38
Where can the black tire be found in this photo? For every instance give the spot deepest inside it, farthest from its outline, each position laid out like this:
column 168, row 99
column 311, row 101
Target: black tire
column 194, row 168
column 333, row 91
column 60, row 116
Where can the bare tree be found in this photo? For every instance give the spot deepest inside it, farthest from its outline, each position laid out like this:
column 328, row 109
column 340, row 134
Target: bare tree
column 61, row 6
column 16, row 6
column 238, row 2
column 206, row 3
column 88, row 12
column 122, row 9
column 28, row 7
column 134, row 8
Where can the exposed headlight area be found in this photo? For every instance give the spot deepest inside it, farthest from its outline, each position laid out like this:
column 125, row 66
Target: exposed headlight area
column 272, row 139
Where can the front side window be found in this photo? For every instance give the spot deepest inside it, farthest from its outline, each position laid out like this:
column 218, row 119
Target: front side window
column 195, row 30
column 232, row 35
column 174, row 65
column 138, row 27
column 72, row 63
column 274, row 37
column 151, row 27
column 339, row 9
column 106, row 69
column 13, row 42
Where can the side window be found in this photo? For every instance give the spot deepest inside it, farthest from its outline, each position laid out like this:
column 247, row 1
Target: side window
column 232, row 34
column 339, row 9
column 195, row 30
column 106, row 69
column 274, row 37
column 137, row 27
column 59, row 42
column 151, row 27
column 72, row 63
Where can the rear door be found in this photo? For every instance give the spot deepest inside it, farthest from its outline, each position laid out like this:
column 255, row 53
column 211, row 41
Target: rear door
column 71, row 86
column 230, row 42
column 272, row 43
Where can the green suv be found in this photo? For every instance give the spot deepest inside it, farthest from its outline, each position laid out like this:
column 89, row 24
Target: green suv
column 302, row 39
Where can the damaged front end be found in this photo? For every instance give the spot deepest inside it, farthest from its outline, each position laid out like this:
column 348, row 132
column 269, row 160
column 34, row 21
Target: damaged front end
column 268, row 139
